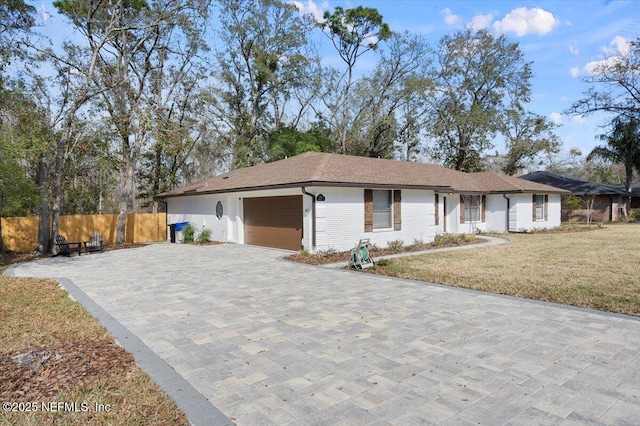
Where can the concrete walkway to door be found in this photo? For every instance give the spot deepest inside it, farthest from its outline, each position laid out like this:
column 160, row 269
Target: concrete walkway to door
column 272, row 342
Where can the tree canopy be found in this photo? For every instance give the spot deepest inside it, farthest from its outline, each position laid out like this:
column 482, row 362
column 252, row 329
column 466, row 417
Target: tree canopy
column 148, row 95
column 478, row 76
column 622, row 147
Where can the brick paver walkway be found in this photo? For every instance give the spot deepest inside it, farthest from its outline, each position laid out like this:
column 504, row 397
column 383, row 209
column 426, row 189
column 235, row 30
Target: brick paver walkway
column 273, row 342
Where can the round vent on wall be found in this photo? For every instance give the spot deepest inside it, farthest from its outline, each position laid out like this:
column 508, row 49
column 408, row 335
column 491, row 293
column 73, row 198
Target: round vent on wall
column 219, row 210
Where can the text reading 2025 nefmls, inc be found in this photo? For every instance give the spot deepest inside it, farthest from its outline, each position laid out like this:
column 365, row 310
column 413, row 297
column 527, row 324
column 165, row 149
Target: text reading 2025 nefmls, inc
column 55, row 406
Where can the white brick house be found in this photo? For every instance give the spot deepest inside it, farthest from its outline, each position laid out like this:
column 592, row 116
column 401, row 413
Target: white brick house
column 320, row 201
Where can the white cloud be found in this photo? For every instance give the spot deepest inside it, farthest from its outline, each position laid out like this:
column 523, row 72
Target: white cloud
column 579, row 118
column 449, row 17
column 575, row 71
column 313, row 9
column 480, row 22
column 622, row 48
column 556, row 118
column 523, row 21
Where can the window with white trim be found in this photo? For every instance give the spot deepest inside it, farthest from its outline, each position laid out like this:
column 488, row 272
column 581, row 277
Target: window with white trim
column 382, row 209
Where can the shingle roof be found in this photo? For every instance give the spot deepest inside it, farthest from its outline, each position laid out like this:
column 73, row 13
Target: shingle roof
column 323, row 169
column 575, row 185
column 635, row 189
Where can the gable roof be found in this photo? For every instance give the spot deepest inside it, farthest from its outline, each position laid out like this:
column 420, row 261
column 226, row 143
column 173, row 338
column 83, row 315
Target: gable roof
column 575, row 185
column 324, row 169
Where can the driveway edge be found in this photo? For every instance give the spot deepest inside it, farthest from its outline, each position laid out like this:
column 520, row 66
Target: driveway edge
column 198, row 409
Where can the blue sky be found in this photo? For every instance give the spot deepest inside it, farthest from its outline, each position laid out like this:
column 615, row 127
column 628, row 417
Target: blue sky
column 563, row 39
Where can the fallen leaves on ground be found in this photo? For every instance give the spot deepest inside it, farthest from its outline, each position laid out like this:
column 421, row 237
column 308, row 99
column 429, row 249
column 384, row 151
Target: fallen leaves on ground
column 45, row 371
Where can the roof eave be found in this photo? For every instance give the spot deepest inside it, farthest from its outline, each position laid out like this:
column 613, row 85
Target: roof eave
column 306, row 184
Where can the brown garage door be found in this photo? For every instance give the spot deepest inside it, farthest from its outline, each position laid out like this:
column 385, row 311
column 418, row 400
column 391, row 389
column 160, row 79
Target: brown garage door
column 273, row 222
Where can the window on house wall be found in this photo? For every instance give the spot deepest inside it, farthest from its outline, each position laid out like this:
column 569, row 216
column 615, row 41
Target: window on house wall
column 437, row 207
column 540, row 202
column 472, row 207
column 382, row 209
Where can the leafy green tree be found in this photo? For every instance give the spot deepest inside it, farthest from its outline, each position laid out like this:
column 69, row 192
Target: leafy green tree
column 24, row 141
column 287, row 141
column 526, row 136
column 143, row 55
column 478, row 76
column 353, row 32
column 622, row 147
column 263, row 58
column 16, row 18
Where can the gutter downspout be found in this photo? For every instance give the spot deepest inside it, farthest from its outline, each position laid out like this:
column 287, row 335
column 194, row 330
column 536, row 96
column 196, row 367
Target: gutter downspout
column 313, row 218
column 508, row 207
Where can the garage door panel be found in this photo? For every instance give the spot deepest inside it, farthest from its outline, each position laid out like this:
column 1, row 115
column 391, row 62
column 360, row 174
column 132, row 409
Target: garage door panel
column 273, row 221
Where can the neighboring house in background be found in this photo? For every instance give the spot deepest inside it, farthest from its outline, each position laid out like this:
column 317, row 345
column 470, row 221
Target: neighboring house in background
column 606, row 201
column 635, row 193
column 320, row 201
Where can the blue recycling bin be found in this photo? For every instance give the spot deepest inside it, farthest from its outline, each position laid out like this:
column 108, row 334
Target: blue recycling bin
column 176, row 227
column 180, row 225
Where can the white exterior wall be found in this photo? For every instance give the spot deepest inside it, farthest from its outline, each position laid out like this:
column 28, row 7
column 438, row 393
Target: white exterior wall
column 200, row 211
column 496, row 214
column 340, row 219
column 521, row 213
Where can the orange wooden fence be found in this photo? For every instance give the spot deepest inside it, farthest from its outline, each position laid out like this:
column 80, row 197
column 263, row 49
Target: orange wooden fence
column 21, row 233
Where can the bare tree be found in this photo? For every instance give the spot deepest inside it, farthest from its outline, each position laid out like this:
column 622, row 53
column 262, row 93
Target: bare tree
column 135, row 41
column 615, row 85
column 76, row 67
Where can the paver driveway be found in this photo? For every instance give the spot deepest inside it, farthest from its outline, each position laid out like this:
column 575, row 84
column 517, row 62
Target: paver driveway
column 273, row 342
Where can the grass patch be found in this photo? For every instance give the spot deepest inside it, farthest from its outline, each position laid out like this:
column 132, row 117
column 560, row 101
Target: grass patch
column 598, row 270
column 37, row 315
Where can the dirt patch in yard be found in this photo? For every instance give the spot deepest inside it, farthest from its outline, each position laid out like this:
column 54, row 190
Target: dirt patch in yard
column 45, row 371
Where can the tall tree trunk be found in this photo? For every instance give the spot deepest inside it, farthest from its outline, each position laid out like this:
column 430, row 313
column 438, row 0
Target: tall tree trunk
column 1, row 240
column 44, row 221
column 130, row 158
column 57, row 187
column 57, row 181
column 125, row 190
